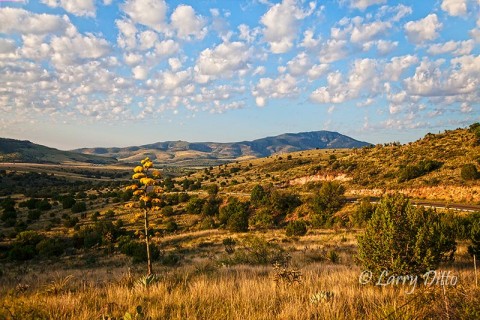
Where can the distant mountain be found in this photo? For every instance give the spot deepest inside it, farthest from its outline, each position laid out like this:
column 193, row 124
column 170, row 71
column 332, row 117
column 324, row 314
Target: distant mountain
column 186, row 153
column 12, row 150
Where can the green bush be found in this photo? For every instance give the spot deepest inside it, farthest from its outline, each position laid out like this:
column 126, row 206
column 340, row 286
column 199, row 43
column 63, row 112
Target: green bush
column 167, row 211
column 363, row 213
column 469, row 172
column 404, row 240
column 474, row 248
column 256, row 251
column 51, row 247
column 68, row 202
column 137, row 250
column 171, row 226
column 410, row 172
column 262, row 219
column 34, row 214
column 235, row 215
column 79, row 207
column 195, row 205
column 296, row 228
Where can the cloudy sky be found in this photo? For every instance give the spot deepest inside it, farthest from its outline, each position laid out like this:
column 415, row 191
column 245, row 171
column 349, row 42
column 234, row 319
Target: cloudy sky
column 78, row 73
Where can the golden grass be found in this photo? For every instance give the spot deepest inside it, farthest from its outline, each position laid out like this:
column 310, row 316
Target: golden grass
column 204, row 289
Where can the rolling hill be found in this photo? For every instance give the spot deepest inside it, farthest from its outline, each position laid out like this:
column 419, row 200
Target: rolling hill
column 12, row 150
column 187, row 153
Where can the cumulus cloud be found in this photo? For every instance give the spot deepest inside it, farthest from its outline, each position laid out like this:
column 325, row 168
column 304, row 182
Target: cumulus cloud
column 19, row 21
column 422, row 30
column 223, row 60
column 67, row 51
column 150, row 13
column 364, row 4
column 76, row 7
column 268, row 88
column 457, row 48
column 455, row 7
column 187, row 24
column 281, row 24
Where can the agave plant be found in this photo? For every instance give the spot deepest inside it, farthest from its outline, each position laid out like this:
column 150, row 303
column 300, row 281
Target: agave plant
column 147, row 281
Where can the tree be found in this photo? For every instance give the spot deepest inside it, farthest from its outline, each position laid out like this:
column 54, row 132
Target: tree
column 235, row 215
column 404, row 240
column 327, row 201
column 474, row 248
column 469, row 172
column 258, row 196
column 296, row 228
column 146, row 195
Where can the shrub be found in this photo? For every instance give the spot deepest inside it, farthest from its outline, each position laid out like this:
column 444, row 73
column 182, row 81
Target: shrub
column 410, row 172
column 68, row 202
column 474, row 248
column 171, row 226
column 404, row 240
column 34, row 214
column 137, row 250
column 256, row 251
column 79, row 207
column 363, row 213
column 70, row 222
column 207, row 223
column 235, row 215
column 51, row 247
column 262, row 219
column 469, row 172
column 167, row 211
column 296, row 228
column 258, row 196
column 195, row 205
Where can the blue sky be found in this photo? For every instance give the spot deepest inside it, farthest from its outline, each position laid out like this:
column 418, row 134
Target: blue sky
column 84, row 73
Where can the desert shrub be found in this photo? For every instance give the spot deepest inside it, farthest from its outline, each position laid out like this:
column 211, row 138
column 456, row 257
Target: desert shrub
column 34, row 214
column 296, row 228
column 171, row 226
column 167, row 211
column 195, row 205
column 325, row 202
column 137, row 250
column 404, row 240
column 262, row 219
column 210, row 207
column 24, row 247
column 70, row 222
column 363, row 213
column 255, row 251
column 43, row 205
column 68, row 202
column 258, row 196
column 51, row 247
column 474, row 248
column 235, row 215
column 207, row 223
column 410, row 172
column 79, row 207
column 469, row 172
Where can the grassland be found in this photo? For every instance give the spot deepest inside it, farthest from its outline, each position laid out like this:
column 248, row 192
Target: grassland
column 199, row 276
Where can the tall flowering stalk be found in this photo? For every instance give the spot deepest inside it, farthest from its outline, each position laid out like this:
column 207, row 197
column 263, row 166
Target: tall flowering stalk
column 146, row 193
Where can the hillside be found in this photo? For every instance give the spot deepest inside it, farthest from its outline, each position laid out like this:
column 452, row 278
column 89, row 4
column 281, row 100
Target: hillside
column 211, row 153
column 429, row 168
column 12, row 150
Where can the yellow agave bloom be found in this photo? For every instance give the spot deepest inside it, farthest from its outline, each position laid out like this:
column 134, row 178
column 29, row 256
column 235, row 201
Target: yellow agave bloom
column 156, row 201
column 156, row 173
column 145, row 198
column 145, row 160
column 129, row 205
column 156, row 208
column 132, row 187
column 138, row 192
column 138, row 169
column 138, row 176
column 158, row 190
column 147, row 181
column 148, row 164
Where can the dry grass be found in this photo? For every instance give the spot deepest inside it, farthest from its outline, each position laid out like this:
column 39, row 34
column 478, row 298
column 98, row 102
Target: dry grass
column 204, row 289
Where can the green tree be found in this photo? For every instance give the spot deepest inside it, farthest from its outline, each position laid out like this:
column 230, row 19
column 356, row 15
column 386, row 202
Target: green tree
column 404, row 240
column 258, row 196
column 469, row 172
column 327, row 201
column 235, row 215
column 474, row 248
column 296, row 228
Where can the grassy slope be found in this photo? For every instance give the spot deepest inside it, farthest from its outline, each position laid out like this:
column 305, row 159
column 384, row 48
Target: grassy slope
column 367, row 171
column 25, row 151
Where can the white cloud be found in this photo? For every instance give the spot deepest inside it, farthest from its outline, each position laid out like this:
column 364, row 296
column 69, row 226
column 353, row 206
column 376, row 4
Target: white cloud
column 68, row 50
column 455, row 7
column 268, row 88
column 127, row 34
column 147, row 39
column 223, row 60
column 397, row 66
column 167, row 47
column 363, row 4
column 174, row 63
column 14, row 20
column 187, row 24
column 423, row 30
column 309, row 42
column 140, row 73
column 7, row 46
column 385, row 47
column 333, row 50
column 458, row 48
column 281, row 24
column 317, row 71
column 76, row 7
column 247, row 34
column 366, row 32
column 150, row 13
column 299, row 65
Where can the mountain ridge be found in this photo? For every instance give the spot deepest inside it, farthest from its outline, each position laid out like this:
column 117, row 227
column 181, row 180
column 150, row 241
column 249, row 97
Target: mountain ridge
column 180, row 150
